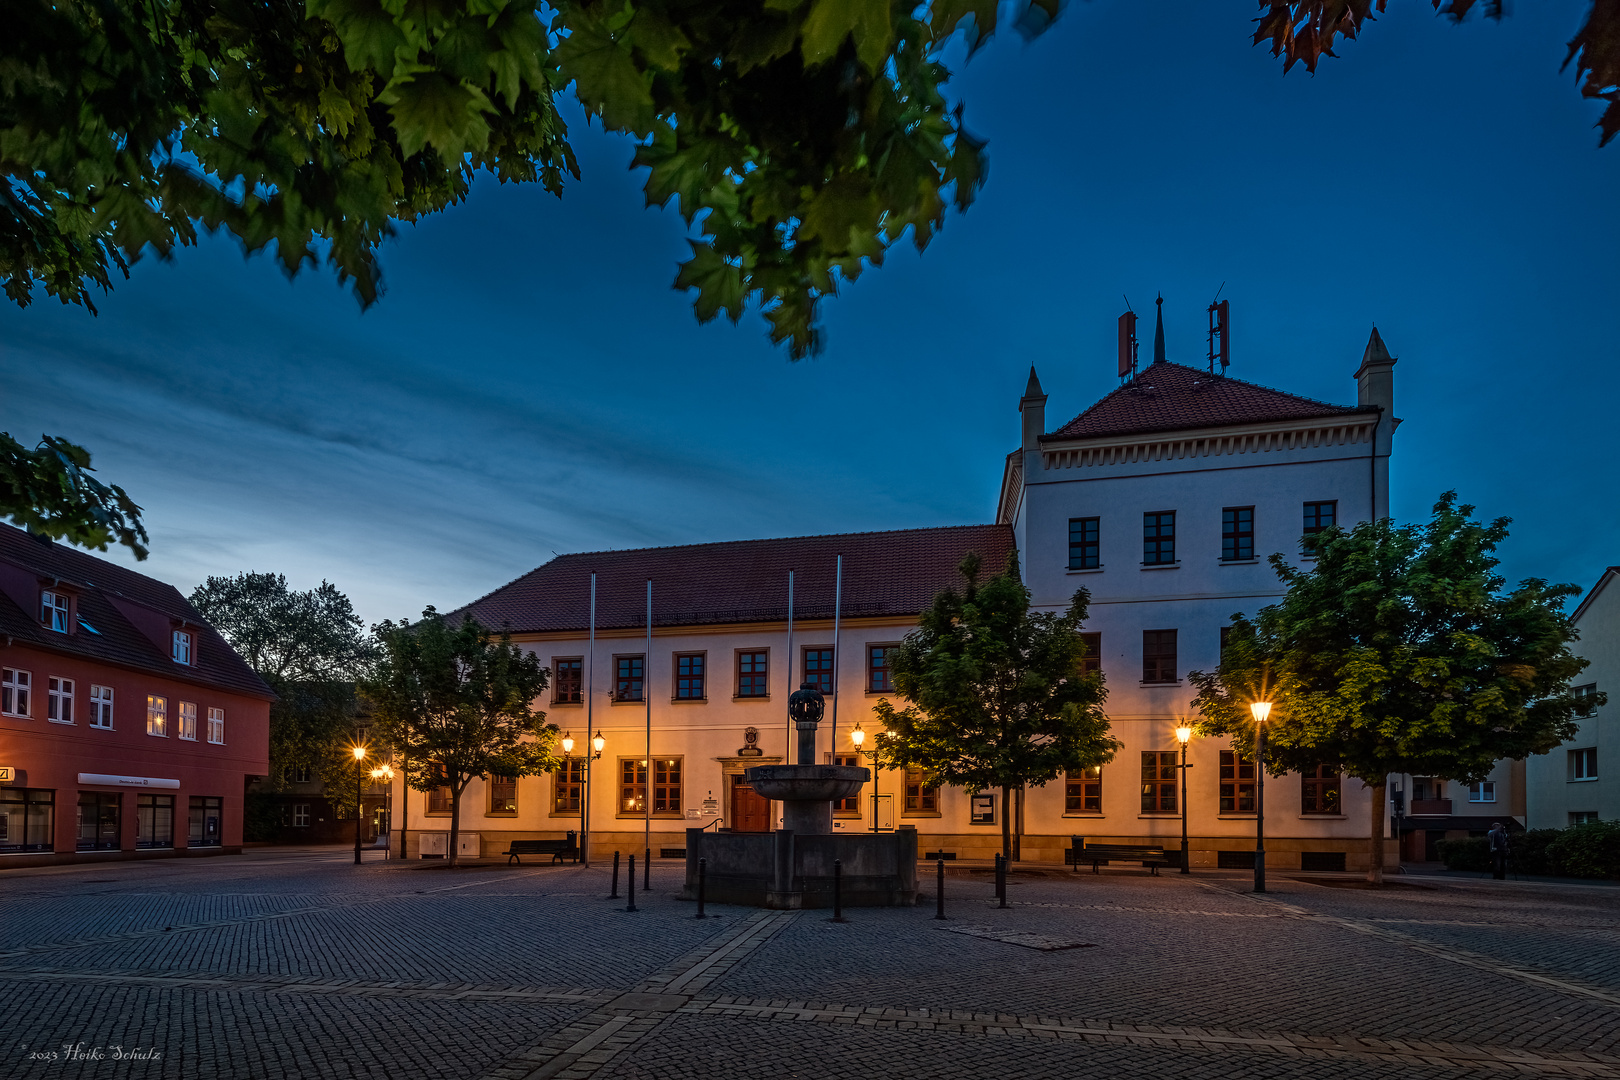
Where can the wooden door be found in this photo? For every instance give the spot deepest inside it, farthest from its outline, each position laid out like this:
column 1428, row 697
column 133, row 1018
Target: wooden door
column 750, row 811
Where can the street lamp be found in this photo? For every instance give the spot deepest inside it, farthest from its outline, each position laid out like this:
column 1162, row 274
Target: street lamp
column 858, row 737
column 384, row 774
column 359, row 756
column 1261, row 710
column 568, row 777
column 1184, row 735
column 597, row 743
column 877, row 745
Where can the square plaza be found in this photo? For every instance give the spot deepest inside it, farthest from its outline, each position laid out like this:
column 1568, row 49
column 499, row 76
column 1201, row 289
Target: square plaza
column 297, row 964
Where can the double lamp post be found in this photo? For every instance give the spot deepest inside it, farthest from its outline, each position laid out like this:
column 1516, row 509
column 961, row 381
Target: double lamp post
column 1261, row 710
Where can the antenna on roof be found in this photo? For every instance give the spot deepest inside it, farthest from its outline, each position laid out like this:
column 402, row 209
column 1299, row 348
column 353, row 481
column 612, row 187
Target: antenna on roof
column 1127, row 342
column 1220, row 325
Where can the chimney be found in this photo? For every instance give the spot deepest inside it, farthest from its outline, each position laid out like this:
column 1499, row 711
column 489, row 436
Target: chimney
column 1375, row 379
column 1033, row 410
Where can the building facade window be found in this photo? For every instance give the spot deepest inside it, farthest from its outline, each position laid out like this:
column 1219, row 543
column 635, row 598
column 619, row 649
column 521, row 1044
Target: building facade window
column 183, row 646
column 15, row 687
column 666, row 786
column 1158, row 782
column 300, row 815
column 216, row 726
column 567, row 680
column 1085, row 543
column 502, row 794
column 568, row 786
column 101, row 707
column 98, row 821
column 295, row 774
column 204, row 824
column 1582, row 817
column 753, row 673
column 1319, row 790
column 879, row 674
column 188, row 720
column 157, row 716
column 922, row 794
column 1158, row 656
column 1237, row 783
column 1159, row 538
column 627, row 677
column 27, row 819
column 851, row 806
column 690, row 681
column 1092, row 660
column 818, row 669
column 1482, row 791
column 1318, row 516
column 154, row 821
column 59, row 700
column 1082, row 791
column 1237, row 533
column 1585, row 700
column 55, row 611
column 1583, row 764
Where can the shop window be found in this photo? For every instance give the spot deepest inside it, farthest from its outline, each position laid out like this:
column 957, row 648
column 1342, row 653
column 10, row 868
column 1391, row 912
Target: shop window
column 27, row 820
column 98, row 820
column 154, row 821
column 205, row 826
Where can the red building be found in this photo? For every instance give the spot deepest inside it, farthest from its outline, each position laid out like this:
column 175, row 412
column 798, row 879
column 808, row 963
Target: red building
column 128, row 728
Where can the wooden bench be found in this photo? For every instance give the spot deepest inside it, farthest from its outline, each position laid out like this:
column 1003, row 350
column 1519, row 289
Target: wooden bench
column 557, row 849
column 1097, row 854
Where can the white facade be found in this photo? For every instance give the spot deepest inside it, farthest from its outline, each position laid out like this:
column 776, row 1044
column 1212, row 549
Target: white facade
column 1225, row 444
column 1576, row 781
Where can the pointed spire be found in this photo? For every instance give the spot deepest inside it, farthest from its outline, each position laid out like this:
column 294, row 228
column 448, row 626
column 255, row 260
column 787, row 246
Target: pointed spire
column 1158, row 333
column 1033, row 390
column 1376, row 352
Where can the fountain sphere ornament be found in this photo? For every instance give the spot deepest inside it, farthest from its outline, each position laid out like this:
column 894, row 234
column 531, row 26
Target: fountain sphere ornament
column 805, row 707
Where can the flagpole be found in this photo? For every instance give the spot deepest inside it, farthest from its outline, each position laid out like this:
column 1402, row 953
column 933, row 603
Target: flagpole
column 787, row 754
column 646, row 696
column 590, row 731
column 838, row 601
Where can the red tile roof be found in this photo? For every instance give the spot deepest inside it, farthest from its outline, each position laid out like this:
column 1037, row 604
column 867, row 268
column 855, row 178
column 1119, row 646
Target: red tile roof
column 1172, row 397
column 894, row 574
column 101, row 586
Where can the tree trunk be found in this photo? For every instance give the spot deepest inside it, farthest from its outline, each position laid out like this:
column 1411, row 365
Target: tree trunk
column 1375, row 841
column 1006, row 822
column 1018, row 823
column 455, row 823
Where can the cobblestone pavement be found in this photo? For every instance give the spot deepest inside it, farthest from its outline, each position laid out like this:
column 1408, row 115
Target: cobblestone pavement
column 303, row 965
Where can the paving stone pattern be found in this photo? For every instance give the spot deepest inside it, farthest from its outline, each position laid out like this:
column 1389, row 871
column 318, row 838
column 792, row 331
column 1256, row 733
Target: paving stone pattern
column 281, row 964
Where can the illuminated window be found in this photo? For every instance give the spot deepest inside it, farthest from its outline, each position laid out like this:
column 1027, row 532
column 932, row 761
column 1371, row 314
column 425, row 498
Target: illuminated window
column 188, row 720
column 157, row 716
column 568, row 785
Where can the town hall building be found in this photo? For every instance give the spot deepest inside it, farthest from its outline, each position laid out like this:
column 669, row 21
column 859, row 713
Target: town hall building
column 1163, row 500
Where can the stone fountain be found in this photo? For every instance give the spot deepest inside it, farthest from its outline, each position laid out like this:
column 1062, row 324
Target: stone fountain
column 793, row 866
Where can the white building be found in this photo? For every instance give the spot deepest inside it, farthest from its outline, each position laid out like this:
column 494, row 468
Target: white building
column 1575, row 782
column 1163, row 499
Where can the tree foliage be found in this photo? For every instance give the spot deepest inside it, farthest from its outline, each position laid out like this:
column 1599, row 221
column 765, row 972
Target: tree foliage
column 310, row 647
column 998, row 697
column 49, row 492
column 1303, row 31
column 1399, row 652
column 807, row 135
column 456, row 702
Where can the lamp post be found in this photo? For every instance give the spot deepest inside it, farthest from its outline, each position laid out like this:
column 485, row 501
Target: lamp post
column 1261, row 710
column 568, row 776
column 597, row 743
column 858, row 737
column 359, row 756
column 1184, row 735
column 385, row 775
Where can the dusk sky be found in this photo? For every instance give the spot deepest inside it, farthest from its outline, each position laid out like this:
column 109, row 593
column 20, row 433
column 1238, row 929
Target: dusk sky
column 531, row 383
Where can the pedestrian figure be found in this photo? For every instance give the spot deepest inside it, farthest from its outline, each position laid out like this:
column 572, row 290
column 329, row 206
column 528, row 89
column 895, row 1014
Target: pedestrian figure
column 1497, row 841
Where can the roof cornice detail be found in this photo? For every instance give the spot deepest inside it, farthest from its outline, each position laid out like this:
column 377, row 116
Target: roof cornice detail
column 1279, row 435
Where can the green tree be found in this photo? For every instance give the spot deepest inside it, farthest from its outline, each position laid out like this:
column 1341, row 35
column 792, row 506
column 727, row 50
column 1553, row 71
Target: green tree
column 49, row 492
column 998, row 696
column 1399, row 652
column 310, row 647
column 457, row 703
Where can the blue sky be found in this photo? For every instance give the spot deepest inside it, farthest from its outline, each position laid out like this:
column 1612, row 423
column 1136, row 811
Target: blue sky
column 531, row 383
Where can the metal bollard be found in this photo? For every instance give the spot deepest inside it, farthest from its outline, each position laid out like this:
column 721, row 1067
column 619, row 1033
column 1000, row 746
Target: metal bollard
column 646, row 869
column 614, row 895
column 631, row 878
column 703, row 872
column 939, row 893
column 838, row 891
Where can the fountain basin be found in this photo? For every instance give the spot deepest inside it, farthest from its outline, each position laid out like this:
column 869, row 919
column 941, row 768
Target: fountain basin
column 807, row 783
